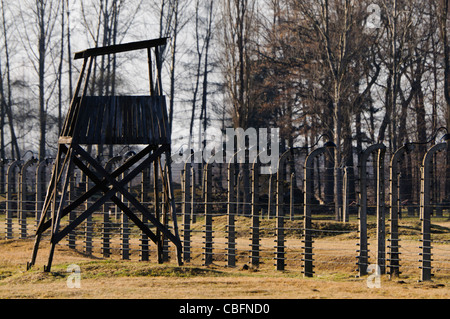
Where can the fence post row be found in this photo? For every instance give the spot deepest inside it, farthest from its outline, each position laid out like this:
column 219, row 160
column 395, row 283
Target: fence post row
column 17, row 182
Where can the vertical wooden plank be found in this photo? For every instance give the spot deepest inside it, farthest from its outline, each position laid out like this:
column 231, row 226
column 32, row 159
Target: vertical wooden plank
column 104, row 130
column 150, row 71
column 119, row 115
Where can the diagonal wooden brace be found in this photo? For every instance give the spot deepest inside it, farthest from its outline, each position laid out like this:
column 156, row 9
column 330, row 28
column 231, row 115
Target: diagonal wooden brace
column 96, row 188
column 118, row 187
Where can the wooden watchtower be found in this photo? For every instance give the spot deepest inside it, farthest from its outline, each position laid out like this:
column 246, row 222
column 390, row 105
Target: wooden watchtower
column 112, row 120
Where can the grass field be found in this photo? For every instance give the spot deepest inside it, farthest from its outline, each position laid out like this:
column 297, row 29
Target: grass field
column 335, row 275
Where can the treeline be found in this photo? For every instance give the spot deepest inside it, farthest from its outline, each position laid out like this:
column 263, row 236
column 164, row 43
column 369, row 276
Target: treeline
column 360, row 72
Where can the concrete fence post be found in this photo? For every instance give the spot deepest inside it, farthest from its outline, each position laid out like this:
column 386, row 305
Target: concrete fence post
column 255, row 244
column 23, row 203
column 71, row 238
column 231, row 212
column 307, row 216
column 145, row 188
column 186, row 209
column 280, row 247
column 345, row 202
column 394, row 207
column 291, row 196
column 88, row 245
column 208, row 237
column 381, row 220
column 425, row 211
column 363, row 257
column 11, row 189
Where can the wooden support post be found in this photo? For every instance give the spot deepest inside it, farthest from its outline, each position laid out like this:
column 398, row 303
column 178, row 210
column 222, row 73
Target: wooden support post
column 40, row 188
column 63, row 170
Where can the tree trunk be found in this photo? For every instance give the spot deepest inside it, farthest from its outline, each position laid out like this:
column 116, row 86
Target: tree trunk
column 42, row 108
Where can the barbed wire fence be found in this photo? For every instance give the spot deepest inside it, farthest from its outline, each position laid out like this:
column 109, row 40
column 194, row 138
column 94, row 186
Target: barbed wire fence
column 233, row 216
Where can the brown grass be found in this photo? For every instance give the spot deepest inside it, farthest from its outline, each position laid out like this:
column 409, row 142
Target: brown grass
column 112, row 278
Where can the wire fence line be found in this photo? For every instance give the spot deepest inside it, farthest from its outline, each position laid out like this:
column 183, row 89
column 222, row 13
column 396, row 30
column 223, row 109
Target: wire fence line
column 232, row 215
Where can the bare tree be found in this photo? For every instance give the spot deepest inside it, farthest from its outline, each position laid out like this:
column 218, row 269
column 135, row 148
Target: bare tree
column 38, row 44
column 204, row 23
column 6, row 96
column 337, row 26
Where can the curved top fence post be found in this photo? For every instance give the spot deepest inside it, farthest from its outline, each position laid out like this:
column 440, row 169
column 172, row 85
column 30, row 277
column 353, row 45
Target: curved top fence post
column 425, row 210
column 394, row 200
column 11, row 180
column 363, row 246
column 307, row 222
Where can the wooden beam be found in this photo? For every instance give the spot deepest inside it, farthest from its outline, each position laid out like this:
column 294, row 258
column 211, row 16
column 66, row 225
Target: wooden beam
column 118, row 187
column 112, row 49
